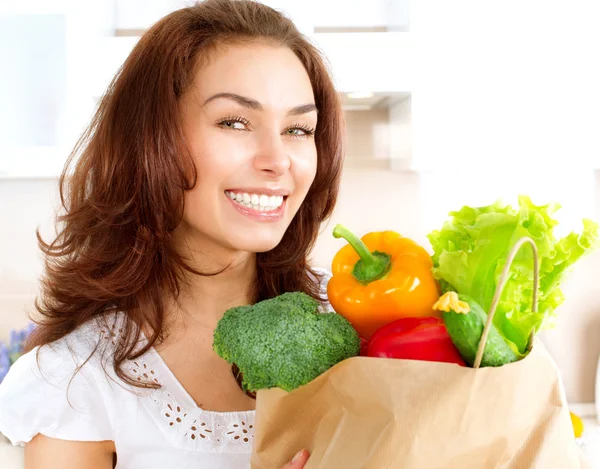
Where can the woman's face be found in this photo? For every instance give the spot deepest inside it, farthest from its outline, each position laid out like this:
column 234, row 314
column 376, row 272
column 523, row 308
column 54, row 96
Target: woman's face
column 249, row 120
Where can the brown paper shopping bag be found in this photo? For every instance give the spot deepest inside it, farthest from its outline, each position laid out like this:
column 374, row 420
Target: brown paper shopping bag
column 367, row 413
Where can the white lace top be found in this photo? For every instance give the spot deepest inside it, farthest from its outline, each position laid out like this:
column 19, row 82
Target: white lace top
column 151, row 428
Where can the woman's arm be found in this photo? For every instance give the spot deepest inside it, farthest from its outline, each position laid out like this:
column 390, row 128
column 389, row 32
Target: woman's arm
column 43, row 452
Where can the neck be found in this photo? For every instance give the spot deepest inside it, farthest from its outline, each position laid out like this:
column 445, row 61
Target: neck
column 204, row 299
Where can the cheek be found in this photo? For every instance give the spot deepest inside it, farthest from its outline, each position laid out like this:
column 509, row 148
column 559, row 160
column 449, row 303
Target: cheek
column 195, row 203
column 211, row 171
column 215, row 151
column 217, row 159
column 306, row 169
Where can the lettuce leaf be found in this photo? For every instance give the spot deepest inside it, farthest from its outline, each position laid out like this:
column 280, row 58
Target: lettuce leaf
column 471, row 249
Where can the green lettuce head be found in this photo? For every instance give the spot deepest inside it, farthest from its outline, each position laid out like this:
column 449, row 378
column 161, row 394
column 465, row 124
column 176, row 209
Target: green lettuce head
column 471, row 249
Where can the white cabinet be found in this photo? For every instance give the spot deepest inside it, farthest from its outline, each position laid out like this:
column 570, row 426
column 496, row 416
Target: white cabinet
column 61, row 56
column 44, row 93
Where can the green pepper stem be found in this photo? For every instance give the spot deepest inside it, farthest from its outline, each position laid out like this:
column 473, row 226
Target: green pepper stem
column 372, row 265
column 357, row 244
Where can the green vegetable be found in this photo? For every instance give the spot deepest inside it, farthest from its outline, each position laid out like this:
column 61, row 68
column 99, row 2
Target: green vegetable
column 471, row 248
column 283, row 342
column 465, row 330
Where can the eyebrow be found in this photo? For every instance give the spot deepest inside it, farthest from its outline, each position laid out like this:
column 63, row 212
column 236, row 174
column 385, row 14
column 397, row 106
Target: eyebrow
column 255, row 105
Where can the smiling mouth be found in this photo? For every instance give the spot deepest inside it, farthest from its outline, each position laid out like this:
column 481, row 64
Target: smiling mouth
column 257, row 202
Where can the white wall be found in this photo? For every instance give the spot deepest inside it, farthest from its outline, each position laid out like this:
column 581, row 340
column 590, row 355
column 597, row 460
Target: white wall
column 24, row 206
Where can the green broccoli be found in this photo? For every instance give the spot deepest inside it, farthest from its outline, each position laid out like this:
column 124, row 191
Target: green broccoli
column 284, row 341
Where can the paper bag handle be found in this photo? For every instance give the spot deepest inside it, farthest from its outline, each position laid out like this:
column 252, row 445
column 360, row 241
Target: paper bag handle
column 500, row 288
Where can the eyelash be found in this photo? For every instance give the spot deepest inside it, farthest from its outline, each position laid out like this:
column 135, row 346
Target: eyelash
column 308, row 131
column 230, row 119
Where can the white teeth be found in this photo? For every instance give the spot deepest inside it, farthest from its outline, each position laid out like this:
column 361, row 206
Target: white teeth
column 259, row 202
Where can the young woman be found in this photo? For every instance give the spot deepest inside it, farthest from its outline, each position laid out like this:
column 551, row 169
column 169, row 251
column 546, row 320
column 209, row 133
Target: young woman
column 200, row 185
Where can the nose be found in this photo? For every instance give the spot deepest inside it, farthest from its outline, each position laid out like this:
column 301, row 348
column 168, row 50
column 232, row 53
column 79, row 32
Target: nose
column 272, row 156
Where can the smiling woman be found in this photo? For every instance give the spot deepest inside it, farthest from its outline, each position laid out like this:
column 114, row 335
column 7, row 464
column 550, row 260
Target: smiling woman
column 200, row 185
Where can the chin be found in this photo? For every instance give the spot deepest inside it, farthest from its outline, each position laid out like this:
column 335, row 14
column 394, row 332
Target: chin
column 257, row 244
column 262, row 246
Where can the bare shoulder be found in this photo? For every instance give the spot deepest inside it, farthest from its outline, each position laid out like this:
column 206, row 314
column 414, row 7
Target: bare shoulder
column 50, row 453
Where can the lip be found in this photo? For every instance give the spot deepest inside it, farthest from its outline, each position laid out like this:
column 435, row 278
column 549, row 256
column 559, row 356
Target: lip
column 261, row 190
column 270, row 216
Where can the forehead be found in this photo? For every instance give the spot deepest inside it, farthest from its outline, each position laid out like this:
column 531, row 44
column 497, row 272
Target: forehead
column 270, row 74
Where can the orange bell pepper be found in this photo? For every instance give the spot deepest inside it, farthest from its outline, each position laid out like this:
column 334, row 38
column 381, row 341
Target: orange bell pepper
column 380, row 278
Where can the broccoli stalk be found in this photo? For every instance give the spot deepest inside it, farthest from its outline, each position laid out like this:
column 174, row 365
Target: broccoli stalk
column 284, row 341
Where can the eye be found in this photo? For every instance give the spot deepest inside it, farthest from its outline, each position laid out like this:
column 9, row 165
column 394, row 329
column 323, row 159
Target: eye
column 300, row 131
column 234, row 123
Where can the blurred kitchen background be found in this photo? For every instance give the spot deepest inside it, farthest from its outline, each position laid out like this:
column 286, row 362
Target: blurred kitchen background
column 447, row 104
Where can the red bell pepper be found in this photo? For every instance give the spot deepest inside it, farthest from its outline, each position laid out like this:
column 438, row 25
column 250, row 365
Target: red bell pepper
column 364, row 347
column 415, row 339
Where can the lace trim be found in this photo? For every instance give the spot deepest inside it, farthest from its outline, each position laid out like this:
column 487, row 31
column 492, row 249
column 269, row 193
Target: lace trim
column 111, row 332
column 242, row 432
column 191, row 426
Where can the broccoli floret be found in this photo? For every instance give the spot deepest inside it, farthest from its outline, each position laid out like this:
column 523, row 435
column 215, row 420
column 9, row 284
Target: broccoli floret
column 283, row 342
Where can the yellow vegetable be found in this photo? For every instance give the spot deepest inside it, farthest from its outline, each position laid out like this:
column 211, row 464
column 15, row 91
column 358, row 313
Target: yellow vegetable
column 577, row 425
column 449, row 302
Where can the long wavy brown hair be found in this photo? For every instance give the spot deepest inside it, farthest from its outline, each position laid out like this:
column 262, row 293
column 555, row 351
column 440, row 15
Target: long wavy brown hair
column 122, row 187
